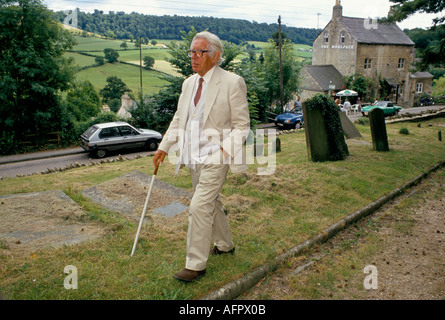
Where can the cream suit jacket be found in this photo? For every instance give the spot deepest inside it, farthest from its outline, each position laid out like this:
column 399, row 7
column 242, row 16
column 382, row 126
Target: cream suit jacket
column 226, row 117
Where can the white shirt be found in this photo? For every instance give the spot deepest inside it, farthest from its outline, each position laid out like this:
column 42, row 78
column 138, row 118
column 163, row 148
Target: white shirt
column 197, row 146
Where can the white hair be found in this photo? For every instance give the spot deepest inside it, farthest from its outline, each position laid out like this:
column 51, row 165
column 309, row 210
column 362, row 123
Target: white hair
column 214, row 43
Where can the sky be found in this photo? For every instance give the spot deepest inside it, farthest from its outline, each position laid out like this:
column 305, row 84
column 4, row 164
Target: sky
column 294, row 13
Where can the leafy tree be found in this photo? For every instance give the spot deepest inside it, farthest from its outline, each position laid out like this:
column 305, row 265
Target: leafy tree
column 439, row 87
column 99, row 61
column 111, row 55
column 434, row 52
column 32, row 69
column 124, row 45
column 364, row 86
column 114, row 89
column 291, row 70
column 149, row 62
column 83, row 101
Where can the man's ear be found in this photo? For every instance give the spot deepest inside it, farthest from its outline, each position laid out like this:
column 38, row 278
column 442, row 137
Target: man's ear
column 216, row 56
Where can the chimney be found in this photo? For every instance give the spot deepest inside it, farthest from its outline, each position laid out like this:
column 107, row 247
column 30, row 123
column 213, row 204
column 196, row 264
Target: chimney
column 337, row 12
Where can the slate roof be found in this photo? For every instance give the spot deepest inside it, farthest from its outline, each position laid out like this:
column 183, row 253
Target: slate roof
column 323, row 74
column 421, row 75
column 385, row 33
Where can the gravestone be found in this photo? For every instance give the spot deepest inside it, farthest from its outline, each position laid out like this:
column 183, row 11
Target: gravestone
column 378, row 130
column 349, row 129
column 316, row 136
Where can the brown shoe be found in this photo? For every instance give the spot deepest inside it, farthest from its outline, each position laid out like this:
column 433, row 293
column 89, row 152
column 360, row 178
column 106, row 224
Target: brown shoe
column 215, row 251
column 188, row 275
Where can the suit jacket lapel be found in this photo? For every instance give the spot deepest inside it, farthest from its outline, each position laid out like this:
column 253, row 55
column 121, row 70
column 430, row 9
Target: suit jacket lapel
column 185, row 101
column 212, row 91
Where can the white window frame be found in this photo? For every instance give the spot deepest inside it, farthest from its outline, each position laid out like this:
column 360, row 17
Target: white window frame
column 419, row 87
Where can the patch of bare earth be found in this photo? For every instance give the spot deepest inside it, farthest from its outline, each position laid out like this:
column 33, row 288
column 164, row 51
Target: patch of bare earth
column 33, row 221
column 404, row 241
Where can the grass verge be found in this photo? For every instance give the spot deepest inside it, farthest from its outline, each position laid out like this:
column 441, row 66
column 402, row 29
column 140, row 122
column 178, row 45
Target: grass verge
column 268, row 215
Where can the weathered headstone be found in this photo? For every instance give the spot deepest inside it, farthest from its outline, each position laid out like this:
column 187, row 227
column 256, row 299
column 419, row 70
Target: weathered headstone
column 349, row 129
column 378, row 130
column 316, row 136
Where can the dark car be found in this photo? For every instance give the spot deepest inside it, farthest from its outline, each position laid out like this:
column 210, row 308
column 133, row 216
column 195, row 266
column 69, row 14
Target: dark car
column 100, row 139
column 290, row 120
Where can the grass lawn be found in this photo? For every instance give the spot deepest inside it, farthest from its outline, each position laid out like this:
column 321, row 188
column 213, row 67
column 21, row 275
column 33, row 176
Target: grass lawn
column 268, row 215
column 128, row 73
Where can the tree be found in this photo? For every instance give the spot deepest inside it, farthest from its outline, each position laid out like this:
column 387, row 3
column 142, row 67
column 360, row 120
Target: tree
column 434, row 54
column 111, row 55
column 149, row 62
column 33, row 69
column 291, row 71
column 439, row 87
column 124, row 45
column 82, row 101
column 114, row 89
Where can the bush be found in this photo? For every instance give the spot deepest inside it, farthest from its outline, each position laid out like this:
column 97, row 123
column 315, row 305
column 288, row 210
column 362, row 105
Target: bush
column 80, row 127
column 404, row 131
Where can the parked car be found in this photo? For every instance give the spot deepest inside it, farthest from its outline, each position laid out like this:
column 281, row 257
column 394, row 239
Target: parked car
column 292, row 119
column 101, row 139
column 388, row 108
column 426, row 101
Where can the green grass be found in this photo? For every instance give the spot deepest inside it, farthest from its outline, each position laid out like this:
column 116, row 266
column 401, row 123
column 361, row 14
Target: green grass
column 268, row 215
column 129, row 74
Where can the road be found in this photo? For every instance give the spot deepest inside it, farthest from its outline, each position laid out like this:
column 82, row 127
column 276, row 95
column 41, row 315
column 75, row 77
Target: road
column 356, row 115
column 11, row 166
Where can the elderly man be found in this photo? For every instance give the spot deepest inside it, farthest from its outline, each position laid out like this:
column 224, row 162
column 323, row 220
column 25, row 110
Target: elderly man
column 208, row 130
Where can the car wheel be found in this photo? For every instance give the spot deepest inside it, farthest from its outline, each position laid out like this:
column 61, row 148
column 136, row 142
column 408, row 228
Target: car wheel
column 101, row 153
column 297, row 125
column 151, row 145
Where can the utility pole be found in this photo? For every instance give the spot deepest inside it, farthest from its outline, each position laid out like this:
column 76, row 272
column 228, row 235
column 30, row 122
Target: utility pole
column 140, row 63
column 281, row 64
column 318, row 20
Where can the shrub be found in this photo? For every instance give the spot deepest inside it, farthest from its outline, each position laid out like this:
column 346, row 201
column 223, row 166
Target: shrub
column 404, row 131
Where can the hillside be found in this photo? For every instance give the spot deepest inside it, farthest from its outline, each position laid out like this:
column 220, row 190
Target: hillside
column 121, row 25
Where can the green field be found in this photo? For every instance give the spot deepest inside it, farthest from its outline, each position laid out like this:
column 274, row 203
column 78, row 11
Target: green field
column 151, row 82
column 97, row 75
column 130, row 74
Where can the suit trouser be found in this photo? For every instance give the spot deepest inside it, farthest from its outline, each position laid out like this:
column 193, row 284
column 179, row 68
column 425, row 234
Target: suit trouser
column 207, row 220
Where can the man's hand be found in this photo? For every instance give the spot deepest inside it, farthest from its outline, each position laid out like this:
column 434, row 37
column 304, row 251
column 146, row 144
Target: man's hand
column 159, row 157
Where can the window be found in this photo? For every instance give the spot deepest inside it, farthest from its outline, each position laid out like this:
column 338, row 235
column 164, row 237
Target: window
column 401, row 64
column 109, row 132
column 342, row 37
column 368, row 63
column 419, row 87
column 326, row 37
column 127, row 131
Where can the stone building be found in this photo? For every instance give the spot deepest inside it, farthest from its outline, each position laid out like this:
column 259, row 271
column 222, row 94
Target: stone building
column 381, row 51
column 321, row 79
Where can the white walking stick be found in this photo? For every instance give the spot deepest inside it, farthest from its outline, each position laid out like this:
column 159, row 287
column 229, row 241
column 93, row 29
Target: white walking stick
column 145, row 208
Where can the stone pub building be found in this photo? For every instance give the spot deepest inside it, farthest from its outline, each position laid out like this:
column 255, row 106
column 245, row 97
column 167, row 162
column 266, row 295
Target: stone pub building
column 381, row 51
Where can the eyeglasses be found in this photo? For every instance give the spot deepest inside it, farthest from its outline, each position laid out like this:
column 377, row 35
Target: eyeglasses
column 198, row 53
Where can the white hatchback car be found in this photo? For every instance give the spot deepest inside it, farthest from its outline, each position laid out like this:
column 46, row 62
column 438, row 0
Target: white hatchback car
column 101, row 139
